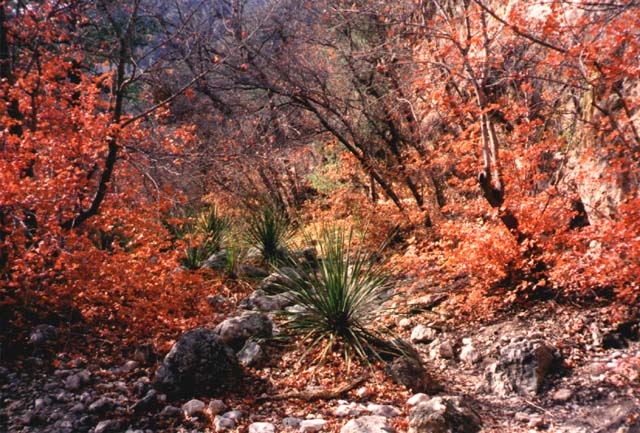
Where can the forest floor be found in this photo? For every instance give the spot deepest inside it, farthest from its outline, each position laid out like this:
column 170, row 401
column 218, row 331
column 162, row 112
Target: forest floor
column 595, row 387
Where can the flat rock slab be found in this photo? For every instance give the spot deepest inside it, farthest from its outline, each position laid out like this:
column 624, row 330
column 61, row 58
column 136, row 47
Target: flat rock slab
column 312, row 425
column 262, row 427
column 368, row 424
column 427, row 301
column 383, row 410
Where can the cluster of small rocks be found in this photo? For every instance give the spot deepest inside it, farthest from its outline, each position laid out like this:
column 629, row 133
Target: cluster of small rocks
column 346, row 409
column 505, row 360
column 82, row 398
column 540, row 371
column 217, row 410
column 71, row 399
column 427, row 415
column 514, row 365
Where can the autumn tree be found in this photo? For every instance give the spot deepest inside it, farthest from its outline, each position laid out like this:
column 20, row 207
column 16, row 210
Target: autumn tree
column 322, row 72
column 245, row 137
column 82, row 145
column 517, row 82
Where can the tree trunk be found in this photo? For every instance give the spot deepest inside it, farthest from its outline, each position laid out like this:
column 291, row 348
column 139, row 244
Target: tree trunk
column 6, row 74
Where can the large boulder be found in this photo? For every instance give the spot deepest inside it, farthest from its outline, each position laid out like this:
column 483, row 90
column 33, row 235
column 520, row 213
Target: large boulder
column 235, row 331
column 199, row 362
column 410, row 372
column 444, row 415
column 521, row 368
column 368, row 424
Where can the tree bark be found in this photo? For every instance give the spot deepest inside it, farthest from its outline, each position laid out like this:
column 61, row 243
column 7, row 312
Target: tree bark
column 6, row 73
column 113, row 147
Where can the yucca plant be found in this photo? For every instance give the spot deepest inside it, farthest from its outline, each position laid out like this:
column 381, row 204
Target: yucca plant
column 213, row 226
column 195, row 254
column 193, row 257
column 205, row 235
column 270, row 231
column 179, row 223
column 342, row 301
column 234, row 257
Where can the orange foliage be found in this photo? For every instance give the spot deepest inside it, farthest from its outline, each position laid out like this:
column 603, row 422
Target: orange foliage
column 551, row 80
column 521, row 66
column 116, row 269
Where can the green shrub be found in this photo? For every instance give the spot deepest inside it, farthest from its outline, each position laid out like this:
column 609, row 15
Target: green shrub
column 204, row 233
column 269, row 230
column 179, row 223
column 235, row 255
column 343, row 300
column 213, row 226
column 196, row 253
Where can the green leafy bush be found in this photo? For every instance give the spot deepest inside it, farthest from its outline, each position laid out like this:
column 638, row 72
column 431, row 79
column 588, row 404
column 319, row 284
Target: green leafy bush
column 343, row 300
column 323, row 177
column 270, row 231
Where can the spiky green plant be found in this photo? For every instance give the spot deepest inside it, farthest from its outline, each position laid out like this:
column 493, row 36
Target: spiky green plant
column 235, row 256
column 195, row 254
column 342, row 301
column 213, row 226
column 179, row 223
column 270, row 231
column 204, row 234
column 193, row 257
